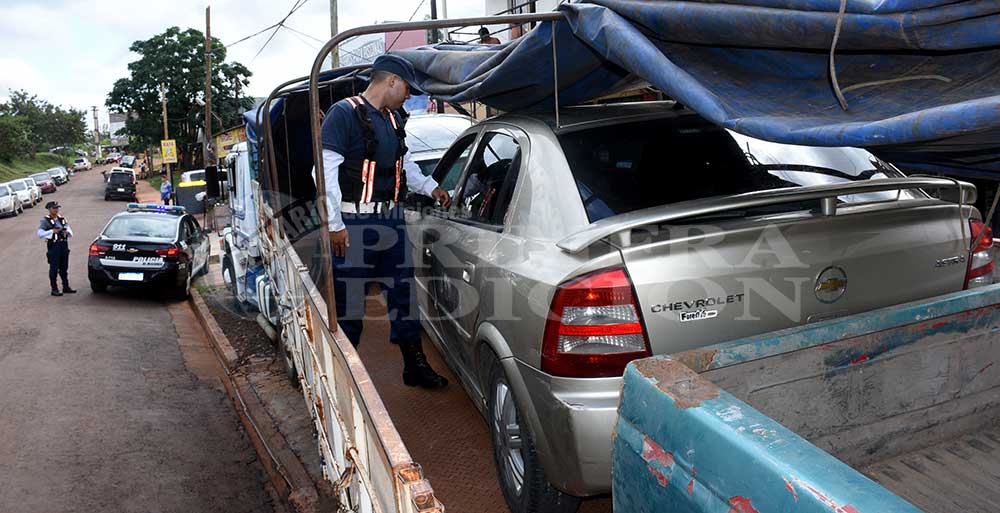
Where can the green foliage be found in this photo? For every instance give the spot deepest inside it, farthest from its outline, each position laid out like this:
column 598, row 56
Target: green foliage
column 176, row 59
column 29, row 124
column 22, row 166
column 14, row 138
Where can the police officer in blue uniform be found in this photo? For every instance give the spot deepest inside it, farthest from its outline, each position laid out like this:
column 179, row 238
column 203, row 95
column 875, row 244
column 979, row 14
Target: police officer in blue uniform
column 368, row 171
column 55, row 231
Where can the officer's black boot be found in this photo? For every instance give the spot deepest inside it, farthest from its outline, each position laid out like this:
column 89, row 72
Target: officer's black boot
column 67, row 289
column 416, row 371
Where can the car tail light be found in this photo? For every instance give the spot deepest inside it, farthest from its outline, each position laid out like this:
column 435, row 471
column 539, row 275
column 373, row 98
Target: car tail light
column 594, row 327
column 980, row 270
column 98, row 250
column 171, row 251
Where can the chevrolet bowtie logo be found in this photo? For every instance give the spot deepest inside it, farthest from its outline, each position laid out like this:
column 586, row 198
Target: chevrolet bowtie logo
column 831, row 284
column 132, row 250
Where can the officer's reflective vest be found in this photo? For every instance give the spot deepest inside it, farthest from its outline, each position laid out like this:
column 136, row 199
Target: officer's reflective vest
column 364, row 180
column 52, row 225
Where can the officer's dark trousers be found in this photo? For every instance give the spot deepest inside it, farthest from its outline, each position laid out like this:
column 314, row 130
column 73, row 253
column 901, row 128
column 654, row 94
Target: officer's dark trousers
column 58, row 256
column 377, row 254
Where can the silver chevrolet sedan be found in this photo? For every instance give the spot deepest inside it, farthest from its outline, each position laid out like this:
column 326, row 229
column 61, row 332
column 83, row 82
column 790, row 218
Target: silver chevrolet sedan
column 640, row 229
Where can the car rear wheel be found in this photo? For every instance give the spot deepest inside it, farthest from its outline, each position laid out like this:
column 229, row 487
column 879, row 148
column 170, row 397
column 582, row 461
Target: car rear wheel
column 519, row 469
column 183, row 291
column 98, row 287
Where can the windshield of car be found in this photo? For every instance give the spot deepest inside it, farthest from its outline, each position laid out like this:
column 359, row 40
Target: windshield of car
column 120, row 178
column 628, row 167
column 18, row 186
column 145, row 227
column 41, row 177
column 78, row 161
column 196, row 176
column 55, row 171
column 4, row 191
column 427, row 133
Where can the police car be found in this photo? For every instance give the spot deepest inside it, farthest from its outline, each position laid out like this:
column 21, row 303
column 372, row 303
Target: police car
column 149, row 245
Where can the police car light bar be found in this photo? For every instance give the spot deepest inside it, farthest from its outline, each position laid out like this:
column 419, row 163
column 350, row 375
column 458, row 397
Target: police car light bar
column 162, row 209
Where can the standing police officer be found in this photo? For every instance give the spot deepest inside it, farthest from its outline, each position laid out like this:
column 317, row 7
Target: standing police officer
column 368, row 171
column 56, row 232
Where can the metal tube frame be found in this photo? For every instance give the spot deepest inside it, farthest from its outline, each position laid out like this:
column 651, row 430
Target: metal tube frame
column 314, row 114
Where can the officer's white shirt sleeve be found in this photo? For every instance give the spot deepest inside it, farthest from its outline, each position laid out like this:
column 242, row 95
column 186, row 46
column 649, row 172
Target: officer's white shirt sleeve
column 415, row 179
column 69, row 231
column 44, row 234
column 331, row 171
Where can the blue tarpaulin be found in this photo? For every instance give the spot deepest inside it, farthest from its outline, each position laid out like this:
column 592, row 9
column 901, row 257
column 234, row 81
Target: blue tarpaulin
column 921, row 78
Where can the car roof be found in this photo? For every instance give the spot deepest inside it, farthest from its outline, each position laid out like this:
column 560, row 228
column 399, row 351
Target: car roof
column 591, row 116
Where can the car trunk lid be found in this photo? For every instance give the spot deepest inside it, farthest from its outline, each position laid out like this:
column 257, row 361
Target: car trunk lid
column 700, row 284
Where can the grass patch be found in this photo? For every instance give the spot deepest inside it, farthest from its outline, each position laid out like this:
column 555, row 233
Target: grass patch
column 23, row 166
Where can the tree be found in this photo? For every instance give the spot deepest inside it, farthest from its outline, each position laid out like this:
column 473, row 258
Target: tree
column 46, row 125
column 14, row 138
column 176, row 58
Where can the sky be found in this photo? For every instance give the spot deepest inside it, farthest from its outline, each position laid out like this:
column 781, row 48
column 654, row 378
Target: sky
column 70, row 52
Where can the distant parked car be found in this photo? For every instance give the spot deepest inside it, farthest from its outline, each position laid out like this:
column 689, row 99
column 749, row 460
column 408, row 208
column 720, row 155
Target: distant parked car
column 429, row 136
column 23, row 193
column 9, row 204
column 45, row 182
column 193, row 176
column 113, row 158
column 81, row 164
column 128, row 161
column 36, row 191
column 59, row 175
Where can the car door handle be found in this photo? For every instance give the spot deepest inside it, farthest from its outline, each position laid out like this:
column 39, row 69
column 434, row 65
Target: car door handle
column 427, row 252
column 467, row 271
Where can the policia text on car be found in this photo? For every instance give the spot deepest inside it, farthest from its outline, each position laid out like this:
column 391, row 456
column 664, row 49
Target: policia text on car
column 368, row 170
column 56, row 232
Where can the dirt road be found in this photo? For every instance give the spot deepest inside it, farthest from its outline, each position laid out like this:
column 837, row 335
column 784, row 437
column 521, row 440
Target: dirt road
column 103, row 405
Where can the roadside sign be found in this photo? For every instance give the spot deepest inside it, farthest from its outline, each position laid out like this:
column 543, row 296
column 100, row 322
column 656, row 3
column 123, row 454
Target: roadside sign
column 168, row 149
column 225, row 141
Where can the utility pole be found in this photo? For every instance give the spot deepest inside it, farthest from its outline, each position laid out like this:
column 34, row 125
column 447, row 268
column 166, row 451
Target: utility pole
column 434, row 16
column 166, row 132
column 97, row 135
column 209, row 156
column 334, row 55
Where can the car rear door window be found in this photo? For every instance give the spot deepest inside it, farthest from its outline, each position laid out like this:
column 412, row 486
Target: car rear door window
column 488, row 185
column 627, row 167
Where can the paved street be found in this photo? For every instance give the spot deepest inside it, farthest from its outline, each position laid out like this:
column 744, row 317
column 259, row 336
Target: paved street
column 103, row 405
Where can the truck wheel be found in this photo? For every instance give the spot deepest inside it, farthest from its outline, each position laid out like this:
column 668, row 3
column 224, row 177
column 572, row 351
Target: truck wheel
column 98, row 287
column 519, row 469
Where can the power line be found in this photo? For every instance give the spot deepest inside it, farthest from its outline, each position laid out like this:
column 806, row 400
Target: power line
column 340, row 48
column 415, row 11
column 298, row 4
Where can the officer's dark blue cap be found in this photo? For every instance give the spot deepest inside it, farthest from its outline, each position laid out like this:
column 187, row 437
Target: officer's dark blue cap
column 52, row 204
column 400, row 67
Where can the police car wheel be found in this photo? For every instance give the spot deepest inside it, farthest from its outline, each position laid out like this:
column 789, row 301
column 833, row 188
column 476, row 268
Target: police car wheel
column 98, row 287
column 182, row 292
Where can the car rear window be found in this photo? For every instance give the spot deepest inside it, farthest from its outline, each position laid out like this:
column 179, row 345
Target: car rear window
column 77, row 161
column 120, row 178
column 628, row 167
column 144, row 227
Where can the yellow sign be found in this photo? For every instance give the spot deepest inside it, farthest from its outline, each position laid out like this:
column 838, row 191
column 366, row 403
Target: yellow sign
column 225, row 141
column 168, row 149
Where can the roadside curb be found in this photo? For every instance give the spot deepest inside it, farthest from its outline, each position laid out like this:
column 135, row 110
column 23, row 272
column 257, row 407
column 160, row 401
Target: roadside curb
column 283, row 467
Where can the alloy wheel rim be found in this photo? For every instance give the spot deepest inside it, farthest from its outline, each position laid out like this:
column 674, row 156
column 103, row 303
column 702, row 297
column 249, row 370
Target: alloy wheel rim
column 508, row 432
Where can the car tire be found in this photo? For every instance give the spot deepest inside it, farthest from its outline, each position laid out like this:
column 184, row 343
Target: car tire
column 519, row 468
column 107, row 198
column 182, row 292
column 98, row 287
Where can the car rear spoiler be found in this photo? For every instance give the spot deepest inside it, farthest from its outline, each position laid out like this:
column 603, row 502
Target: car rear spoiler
column 826, row 194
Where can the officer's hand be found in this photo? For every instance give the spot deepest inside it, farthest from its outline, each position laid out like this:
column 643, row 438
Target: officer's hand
column 339, row 243
column 441, row 196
